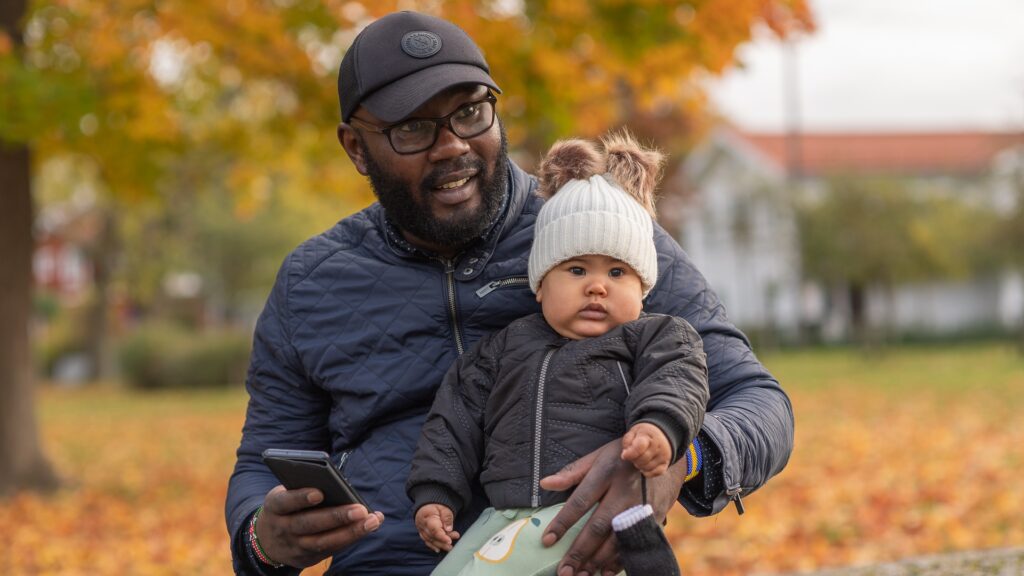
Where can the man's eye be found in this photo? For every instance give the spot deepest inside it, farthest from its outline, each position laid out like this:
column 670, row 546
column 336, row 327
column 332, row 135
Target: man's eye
column 616, row 272
column 577, row 271
column 414, row 127
column 467, row 112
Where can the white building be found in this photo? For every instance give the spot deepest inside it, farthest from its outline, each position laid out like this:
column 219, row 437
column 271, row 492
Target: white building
column 737, row 222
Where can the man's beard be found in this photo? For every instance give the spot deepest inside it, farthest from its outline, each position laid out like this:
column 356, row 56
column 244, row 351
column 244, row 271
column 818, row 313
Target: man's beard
column 412, row 213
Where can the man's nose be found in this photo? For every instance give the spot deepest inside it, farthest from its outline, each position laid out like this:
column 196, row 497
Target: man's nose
column 447, row 146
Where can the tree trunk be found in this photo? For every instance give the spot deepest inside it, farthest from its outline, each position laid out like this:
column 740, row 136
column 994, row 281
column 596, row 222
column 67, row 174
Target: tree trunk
column 1020, row 339
column 858, row 314
column 866, row 335
column 102, row 255
column 22, row 464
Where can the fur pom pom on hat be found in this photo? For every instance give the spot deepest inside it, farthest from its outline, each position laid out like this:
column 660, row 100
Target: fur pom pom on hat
column 567, row 160
column 599, row 201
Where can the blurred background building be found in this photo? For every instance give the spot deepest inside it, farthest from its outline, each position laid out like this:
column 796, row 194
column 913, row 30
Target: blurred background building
column 739, row 221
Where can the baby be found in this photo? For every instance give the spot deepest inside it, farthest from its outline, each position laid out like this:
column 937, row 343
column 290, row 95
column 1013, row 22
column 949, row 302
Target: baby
column 555, row 386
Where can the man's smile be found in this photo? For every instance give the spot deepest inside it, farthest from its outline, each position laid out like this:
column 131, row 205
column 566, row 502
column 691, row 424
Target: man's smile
column 455, row 184
column 454, row 188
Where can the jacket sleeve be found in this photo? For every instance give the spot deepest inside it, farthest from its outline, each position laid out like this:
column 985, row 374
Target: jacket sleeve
column 450, row 449
column 749, row 421
column 285, row 410
column 670, row 378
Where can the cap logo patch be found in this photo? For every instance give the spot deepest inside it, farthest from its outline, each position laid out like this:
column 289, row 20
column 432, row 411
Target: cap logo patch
column 421, row 44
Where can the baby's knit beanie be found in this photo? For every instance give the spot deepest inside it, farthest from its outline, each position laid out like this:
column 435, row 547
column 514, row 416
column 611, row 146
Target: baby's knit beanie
column 598, row 202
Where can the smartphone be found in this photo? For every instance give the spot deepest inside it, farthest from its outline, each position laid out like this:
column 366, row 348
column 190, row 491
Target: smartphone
column 312, row 469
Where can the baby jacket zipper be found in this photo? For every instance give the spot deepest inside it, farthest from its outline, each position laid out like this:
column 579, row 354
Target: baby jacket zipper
column 538, row 418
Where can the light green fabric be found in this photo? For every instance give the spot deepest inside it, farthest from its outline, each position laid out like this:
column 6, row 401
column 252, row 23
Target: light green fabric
column 507, row 543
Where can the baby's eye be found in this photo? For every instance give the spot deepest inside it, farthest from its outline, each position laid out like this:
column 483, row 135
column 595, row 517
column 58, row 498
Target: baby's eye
column 577, row 271
column 616, row 272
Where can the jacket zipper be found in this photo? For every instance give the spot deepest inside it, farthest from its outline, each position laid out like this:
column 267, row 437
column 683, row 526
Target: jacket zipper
column 449, row 275
column 341, row 461
column 538, row 418
column 734, row 496
column 495, row 284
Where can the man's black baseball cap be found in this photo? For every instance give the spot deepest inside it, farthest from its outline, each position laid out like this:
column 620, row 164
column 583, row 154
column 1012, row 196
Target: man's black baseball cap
column 402, row 60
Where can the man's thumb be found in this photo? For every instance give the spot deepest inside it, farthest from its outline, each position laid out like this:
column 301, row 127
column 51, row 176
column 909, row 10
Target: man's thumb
column 569, row 476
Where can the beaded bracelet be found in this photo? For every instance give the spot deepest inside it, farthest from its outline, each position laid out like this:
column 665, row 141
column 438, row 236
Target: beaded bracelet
column 255, row 542
column 694, row 461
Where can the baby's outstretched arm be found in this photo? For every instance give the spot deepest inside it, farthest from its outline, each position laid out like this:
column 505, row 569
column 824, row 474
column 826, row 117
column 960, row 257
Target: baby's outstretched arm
column 647, row 447
column 436, row 527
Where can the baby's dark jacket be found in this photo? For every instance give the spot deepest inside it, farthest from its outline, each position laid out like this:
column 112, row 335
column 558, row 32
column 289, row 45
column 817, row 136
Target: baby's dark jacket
column 525, row 401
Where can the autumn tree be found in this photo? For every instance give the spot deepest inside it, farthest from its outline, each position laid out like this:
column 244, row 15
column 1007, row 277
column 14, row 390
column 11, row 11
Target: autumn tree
column 859, row 233
column 1010, row 232
column 140, row 89
column 24, row 464
column 118, row 85
column 577, row 68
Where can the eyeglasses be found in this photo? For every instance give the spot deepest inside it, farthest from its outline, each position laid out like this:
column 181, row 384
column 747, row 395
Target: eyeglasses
column 416, row 135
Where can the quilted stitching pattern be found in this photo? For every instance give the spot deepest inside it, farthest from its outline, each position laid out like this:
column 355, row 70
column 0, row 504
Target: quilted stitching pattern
column 353, row 321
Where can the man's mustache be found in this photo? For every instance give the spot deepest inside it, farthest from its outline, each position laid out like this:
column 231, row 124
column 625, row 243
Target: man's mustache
column 438, row 174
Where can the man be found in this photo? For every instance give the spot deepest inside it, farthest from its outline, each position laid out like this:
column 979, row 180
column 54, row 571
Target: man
column 365, row 319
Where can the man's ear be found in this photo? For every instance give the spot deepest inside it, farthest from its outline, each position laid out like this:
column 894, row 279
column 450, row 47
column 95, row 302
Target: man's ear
column 349, row 140
column 539, row 292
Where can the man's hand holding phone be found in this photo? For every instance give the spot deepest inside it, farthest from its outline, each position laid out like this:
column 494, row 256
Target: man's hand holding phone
column 293, row 532
column 314, row 513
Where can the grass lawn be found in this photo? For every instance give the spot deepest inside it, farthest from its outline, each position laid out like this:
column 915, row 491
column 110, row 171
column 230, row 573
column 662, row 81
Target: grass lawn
column 916, row 451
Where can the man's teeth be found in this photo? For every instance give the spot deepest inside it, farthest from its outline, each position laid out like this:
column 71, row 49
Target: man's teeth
column 455, row 184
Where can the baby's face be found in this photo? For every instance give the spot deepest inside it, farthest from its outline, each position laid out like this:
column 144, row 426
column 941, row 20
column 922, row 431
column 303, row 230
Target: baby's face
column 589, row 295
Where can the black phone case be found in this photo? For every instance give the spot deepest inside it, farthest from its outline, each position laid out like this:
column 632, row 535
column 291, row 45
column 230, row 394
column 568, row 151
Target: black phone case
column 320, row 474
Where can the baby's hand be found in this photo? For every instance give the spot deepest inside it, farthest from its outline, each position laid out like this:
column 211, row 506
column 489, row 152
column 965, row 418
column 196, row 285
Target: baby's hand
column 436, row 526
column 647, row 447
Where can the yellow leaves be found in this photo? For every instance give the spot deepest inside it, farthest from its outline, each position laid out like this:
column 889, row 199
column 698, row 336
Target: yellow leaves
column 568, row 11
column 162, row 79
column 247, row 34
column 635, row 57
column 147, row 484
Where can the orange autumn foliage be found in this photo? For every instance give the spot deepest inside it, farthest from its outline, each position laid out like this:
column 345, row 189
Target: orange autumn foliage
column 131, row 84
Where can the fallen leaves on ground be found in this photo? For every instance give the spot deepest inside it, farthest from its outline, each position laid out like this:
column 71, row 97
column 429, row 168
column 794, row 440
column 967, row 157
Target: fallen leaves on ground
column 915, row 453
column 894, row 457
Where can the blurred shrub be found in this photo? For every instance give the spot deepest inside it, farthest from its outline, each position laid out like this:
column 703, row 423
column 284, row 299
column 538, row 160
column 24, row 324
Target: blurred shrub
column 58, row 335
column 160, row 355
column 45, row 306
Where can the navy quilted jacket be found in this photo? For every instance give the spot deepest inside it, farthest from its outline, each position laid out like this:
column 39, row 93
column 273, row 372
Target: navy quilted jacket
column 360, row 329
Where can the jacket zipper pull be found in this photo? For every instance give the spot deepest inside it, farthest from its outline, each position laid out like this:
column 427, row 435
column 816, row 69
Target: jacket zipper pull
column 734, row 495
column 488, row 288
column 341, row 461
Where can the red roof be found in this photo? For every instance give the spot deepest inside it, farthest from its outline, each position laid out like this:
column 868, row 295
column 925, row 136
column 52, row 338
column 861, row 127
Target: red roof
column 955, row 153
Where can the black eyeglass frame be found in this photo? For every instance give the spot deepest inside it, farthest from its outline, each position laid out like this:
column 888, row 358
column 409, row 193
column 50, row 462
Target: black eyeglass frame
column 445, row 120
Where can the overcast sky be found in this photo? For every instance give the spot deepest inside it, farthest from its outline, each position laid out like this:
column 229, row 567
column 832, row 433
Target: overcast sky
column 890, row 64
